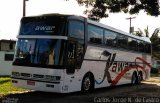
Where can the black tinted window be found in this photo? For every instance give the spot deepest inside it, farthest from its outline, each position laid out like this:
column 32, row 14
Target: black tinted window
column 132, row 44
column 110, row 38
column 8, row 57
column 147, row 48
column 95, row 34
column 122, row 41
column 140, row 46
column 76, row 29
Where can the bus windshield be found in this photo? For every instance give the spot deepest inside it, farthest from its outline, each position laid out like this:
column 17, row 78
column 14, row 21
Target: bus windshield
column 40, row 53
column 34, row 26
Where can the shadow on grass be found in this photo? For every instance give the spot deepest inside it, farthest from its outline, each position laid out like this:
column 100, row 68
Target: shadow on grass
column 78, row 97
column 155, row 74
column 4, row 81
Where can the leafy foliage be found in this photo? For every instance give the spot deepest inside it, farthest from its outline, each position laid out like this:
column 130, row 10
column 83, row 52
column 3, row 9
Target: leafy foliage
column 142, row 33
column 146, row 32
column 138, row 33
column 154, row 70
column 101, row 8
column 155, row 39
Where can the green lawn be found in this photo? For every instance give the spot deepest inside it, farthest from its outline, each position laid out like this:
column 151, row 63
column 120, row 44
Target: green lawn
column 155, row 75
column 7, row 88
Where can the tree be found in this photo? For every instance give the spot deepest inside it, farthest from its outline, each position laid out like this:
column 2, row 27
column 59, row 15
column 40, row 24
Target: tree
column 142, row 33
column 155, row 33
column 138, row 33
column 155, row 39
column 146, row 32
column 101, row 8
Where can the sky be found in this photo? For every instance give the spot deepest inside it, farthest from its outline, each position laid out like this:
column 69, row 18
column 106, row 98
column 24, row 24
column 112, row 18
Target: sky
column 11, row 13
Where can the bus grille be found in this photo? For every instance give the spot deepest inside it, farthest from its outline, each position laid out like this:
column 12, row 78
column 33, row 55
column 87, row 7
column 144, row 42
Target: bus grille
column 38, row 76
column 25, row 75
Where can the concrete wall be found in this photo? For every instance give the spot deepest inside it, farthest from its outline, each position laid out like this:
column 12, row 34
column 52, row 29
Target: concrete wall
column 5, row 66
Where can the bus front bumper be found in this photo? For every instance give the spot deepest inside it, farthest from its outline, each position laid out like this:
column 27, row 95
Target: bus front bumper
column 56, row 87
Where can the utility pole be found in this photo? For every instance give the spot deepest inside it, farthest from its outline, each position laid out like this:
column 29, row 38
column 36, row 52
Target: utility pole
column 24, row 7
column 130, row 19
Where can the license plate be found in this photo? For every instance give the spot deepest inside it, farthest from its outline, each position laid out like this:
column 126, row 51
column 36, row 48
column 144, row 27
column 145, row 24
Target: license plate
column 29, row 82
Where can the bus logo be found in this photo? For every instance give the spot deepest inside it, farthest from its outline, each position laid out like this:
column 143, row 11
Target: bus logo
column 121, row 67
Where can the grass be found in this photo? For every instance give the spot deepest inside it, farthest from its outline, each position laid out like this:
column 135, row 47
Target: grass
column 154, row 78
column 7, row 88
column 155, row 74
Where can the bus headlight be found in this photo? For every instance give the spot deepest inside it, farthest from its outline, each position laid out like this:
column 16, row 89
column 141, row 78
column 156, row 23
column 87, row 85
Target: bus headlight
column 15, row 74
column 52, row 78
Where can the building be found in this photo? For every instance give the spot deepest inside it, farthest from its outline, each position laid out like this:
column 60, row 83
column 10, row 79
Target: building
column 7, row 48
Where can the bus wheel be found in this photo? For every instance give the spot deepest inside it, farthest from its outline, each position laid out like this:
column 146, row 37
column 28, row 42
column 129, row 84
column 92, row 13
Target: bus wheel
column 134, row 79
column 87, row 84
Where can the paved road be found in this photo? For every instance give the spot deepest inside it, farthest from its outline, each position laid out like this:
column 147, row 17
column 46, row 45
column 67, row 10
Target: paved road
column 141, row 90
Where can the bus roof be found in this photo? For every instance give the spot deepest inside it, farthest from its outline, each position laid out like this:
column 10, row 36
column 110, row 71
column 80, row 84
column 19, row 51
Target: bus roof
column 95, row 23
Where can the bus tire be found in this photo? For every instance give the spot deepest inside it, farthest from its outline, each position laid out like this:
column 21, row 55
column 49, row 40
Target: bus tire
column 87, row 83
column 134, row 79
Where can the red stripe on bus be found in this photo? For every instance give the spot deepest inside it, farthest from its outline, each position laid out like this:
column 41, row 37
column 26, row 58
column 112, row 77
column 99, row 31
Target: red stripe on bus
column 144, row 61
column 120, row 75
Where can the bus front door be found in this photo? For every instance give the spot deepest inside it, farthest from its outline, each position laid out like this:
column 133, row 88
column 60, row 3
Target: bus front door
column 71, row 57
column 75, row 53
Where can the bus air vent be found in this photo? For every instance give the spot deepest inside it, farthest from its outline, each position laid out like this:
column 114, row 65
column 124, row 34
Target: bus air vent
column 38, row 76
column 25, row 75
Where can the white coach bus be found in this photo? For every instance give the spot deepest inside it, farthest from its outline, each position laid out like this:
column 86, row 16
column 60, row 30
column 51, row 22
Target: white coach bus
column 67, row 53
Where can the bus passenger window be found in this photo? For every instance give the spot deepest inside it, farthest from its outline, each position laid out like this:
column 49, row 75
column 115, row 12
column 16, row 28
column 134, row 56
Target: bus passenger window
column 122, row 41
column 132, row 44
column 140, row 46
column 110, row 38
column 76, row 29
column 95, row 34
column 147, row 48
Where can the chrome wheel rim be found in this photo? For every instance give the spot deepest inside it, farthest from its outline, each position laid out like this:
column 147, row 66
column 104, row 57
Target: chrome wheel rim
column 87, row 84
column 134, row 79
